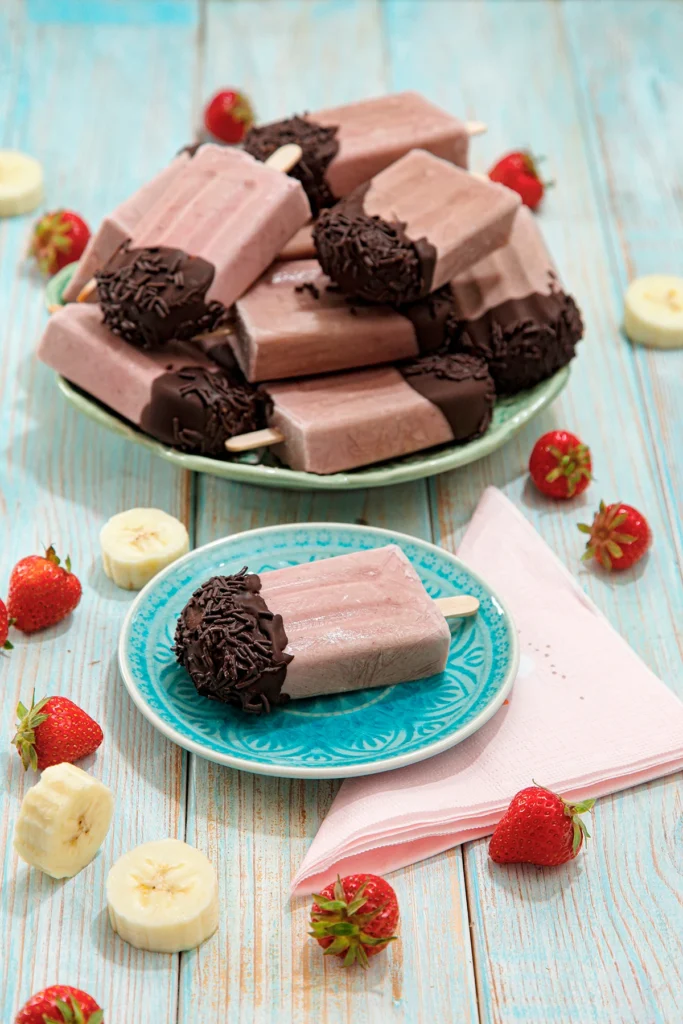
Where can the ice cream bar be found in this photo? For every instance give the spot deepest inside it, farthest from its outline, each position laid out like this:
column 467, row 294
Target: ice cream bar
column 231, row 210
column 175, row 394
column 413, row 228
column 352, row 622
column 342, row 421
column 513, row 312
column 295, row 323
column 120, row 224
column 345, row 146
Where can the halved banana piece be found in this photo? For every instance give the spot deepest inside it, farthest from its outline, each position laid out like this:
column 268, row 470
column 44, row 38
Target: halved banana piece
column 21, row 183
column 163, row 897
column 63, row 821
column 653, row 311
column 139, row 543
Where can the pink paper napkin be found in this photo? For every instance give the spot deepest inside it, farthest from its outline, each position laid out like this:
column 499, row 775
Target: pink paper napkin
column 585, row 717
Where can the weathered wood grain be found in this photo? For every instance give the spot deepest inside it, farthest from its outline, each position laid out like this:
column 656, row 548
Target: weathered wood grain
column 587, row 944
column 263, row 967
column 102, row 105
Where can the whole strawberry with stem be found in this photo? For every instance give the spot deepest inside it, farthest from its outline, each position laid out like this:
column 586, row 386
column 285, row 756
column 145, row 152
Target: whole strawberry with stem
column 519, row 171
column 355, row 918
column 53, row 731
column 618, row 537
column 5, row 623
column 539, row 828
column 228, row 116
column 60, row 1004
column 42, row 592
column 59, row 238
column 560, row 465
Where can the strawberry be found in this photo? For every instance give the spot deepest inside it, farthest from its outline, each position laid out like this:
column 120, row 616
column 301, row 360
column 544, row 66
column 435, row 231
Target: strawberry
column 539, row 828
column 58, row 238
column 519, row 172
column 619, row 536
column 41, row 592
column 228, row 116
column 53, row 731
column 5, row 623
column 354, row 918
column 60, row 1004
column 560, row 465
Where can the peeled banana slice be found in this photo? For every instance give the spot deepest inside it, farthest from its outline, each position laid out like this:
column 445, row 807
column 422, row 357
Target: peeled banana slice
column 653, row 311
column 63, row 821
column 21, row 183
column 139, row 543
column 163, row 896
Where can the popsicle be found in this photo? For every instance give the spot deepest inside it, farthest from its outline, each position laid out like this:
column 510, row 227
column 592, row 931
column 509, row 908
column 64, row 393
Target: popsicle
column 120, row 224
column 152, row 296
column 176, row 394
column 513, row 312
column 343, row 421
column 412, row 228
column 345, row 146
column 352, row 622
column 295, row 323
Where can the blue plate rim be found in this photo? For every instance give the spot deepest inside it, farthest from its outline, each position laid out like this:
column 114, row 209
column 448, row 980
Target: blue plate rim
column 278, row 771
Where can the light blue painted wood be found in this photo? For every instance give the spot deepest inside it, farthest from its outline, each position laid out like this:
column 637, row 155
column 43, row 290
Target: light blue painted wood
column 102, row 106
column 121, row 82
column 586, row 944
column 286, row 56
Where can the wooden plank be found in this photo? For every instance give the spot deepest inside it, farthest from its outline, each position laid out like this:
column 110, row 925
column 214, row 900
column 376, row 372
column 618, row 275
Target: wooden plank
column 629, row 81
column 101, row 105
column 600, row 941
column 263, row 967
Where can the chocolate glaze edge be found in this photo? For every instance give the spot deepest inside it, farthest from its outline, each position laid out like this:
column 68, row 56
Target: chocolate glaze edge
column 459, row 385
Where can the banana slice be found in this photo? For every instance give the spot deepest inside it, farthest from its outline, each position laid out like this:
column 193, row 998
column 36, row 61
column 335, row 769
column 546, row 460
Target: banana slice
column 63, row 821
column 21, row 183
column 653, row 311
column 139, row 543
column 163, row 896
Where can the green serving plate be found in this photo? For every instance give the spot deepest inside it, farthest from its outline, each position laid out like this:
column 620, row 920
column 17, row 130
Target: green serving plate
column 509, row 416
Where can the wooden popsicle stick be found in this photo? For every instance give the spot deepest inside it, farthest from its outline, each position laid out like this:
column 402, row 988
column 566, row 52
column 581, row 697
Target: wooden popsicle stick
column 475, row 128
column 220, row 332
column 283, row 159
column 53, row 307
column 459, row 607
column 254, row 439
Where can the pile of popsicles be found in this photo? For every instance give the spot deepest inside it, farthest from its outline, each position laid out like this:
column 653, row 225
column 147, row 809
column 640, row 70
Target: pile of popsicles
column 206, row 320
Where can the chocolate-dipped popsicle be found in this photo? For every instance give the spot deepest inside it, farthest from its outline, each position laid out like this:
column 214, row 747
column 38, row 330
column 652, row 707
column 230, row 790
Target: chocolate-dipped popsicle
column 412, row 228
column 342, row 421
column 510, row 310
column 177, row 395
column 345, row 146
column 295, row 323
column 352, row 622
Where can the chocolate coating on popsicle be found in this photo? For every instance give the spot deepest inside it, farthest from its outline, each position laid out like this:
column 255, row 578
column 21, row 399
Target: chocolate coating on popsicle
column 524, row 341
column 460, row 385
column 371, row 257
column 197, row 409
column 232, row 645
column 319, row 146
column 152, row 296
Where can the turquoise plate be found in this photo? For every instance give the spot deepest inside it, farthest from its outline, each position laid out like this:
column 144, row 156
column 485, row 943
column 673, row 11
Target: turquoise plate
column 509, row 416
column 324, row 737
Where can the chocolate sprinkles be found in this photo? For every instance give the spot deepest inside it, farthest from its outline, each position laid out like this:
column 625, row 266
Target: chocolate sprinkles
column 232, row 645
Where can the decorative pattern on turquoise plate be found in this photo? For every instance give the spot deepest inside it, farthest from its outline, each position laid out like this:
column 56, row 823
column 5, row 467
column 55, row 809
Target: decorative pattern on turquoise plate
column 509, row 416
column 341, row 735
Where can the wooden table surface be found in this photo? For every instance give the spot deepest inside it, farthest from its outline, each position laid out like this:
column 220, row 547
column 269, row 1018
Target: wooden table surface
column 104, row 92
